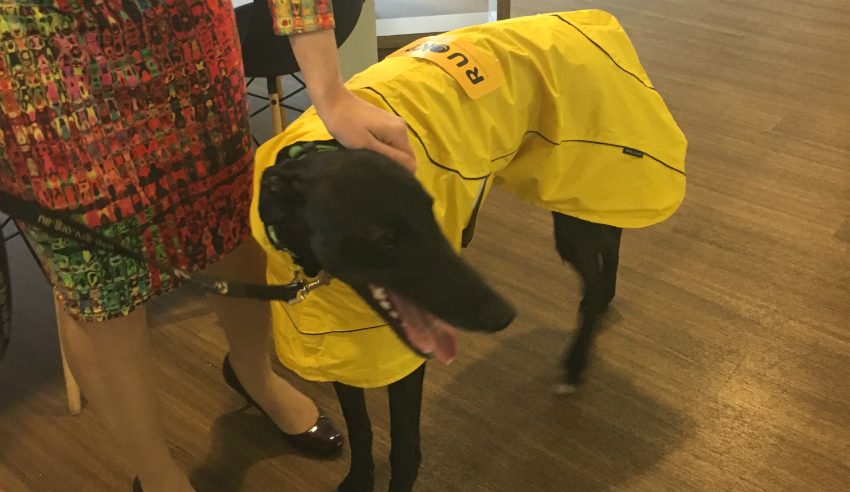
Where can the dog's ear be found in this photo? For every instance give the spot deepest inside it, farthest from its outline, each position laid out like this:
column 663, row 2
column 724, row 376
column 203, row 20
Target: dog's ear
column 281, row 193
column 281, row 201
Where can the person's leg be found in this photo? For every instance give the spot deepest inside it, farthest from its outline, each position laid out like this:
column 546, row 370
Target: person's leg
column 112, row 362
column 247, row 325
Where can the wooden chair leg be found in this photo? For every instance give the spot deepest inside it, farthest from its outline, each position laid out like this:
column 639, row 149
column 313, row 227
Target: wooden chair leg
column 282, row 112
column 71, row 387
column 274, row 105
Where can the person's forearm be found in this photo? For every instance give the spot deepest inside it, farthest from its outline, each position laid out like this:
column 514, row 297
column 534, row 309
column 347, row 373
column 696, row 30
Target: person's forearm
column 317, row 57
column 353, row 122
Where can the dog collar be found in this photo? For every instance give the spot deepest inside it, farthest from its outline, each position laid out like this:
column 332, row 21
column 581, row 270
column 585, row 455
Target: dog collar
column 297, row 151
column 293, row 152
column 300, row 149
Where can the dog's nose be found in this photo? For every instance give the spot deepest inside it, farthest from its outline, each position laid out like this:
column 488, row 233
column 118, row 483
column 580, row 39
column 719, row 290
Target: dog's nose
column 498, row 315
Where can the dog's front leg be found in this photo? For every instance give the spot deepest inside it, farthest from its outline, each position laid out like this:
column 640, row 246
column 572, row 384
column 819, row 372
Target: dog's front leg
column 361, row 475
column 405, row 410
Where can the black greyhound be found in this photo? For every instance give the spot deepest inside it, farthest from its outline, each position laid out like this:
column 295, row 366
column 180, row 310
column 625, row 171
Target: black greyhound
column 556, row 109
column 361, row 218
column 366, row 221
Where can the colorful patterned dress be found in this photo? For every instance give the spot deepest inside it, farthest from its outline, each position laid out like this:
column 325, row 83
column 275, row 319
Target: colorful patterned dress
column 132, row 115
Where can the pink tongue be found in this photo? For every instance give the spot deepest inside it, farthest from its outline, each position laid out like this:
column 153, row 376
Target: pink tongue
column 427, row 333
column 445, row 348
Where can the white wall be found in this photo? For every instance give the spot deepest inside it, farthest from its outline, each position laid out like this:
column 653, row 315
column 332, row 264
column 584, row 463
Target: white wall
column 360, row 50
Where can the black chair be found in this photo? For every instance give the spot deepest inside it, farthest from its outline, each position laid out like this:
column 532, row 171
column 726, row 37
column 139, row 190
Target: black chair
column 18, row 232
column 269, row 56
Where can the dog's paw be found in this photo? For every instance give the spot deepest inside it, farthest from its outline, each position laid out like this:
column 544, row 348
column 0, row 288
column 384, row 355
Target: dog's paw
column 564, row 389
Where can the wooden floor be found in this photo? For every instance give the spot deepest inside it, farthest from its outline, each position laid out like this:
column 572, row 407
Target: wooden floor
column 724, row 367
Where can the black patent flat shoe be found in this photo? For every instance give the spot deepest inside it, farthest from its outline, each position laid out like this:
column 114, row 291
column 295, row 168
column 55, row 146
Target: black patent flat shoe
column 137, row 485
column 323, row 439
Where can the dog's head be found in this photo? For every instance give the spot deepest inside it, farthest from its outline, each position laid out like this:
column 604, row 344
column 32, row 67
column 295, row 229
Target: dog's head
column 367, row 221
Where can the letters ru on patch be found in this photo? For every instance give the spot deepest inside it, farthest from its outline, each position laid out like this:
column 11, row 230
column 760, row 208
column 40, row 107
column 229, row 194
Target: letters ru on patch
column 472, row 69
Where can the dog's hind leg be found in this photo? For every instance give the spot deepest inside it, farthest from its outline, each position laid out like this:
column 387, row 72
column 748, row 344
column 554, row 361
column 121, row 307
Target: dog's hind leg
column 580, row 243
column 361, row 475
column 405, row 409
column 610, row 262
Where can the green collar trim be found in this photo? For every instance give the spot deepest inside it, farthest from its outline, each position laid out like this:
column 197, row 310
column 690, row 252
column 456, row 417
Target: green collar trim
column 300, row 149
column 297, row 151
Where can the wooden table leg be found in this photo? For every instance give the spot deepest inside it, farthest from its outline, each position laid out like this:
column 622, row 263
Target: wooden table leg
column 503, row 9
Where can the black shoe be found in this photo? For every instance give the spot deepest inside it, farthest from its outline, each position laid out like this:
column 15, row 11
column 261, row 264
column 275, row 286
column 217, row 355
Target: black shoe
column 137, row 485
column 323, row 439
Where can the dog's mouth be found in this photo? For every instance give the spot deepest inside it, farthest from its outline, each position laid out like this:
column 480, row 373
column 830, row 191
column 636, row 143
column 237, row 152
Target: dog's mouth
column 424, row 333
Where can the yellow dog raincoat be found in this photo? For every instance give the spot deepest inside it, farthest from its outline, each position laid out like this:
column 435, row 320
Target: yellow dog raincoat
column 556, row 109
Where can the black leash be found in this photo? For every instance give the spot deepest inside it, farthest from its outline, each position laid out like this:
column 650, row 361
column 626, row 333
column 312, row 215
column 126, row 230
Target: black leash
column 63, row 225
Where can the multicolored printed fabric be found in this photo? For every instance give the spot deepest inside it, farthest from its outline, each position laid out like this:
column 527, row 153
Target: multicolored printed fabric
column 300, row 16
column 131, row 114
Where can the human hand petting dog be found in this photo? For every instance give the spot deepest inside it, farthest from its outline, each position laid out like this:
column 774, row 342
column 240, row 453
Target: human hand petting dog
column 352, row 121
column 357, row 124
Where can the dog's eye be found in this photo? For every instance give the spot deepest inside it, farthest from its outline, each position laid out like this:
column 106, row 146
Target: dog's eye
column 361, row 252
column 386, row 238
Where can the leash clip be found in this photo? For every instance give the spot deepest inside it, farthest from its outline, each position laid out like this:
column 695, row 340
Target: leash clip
column 321, row 280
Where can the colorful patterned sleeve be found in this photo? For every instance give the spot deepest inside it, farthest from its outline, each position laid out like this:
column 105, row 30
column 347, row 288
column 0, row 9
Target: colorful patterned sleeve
column 300, row 16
